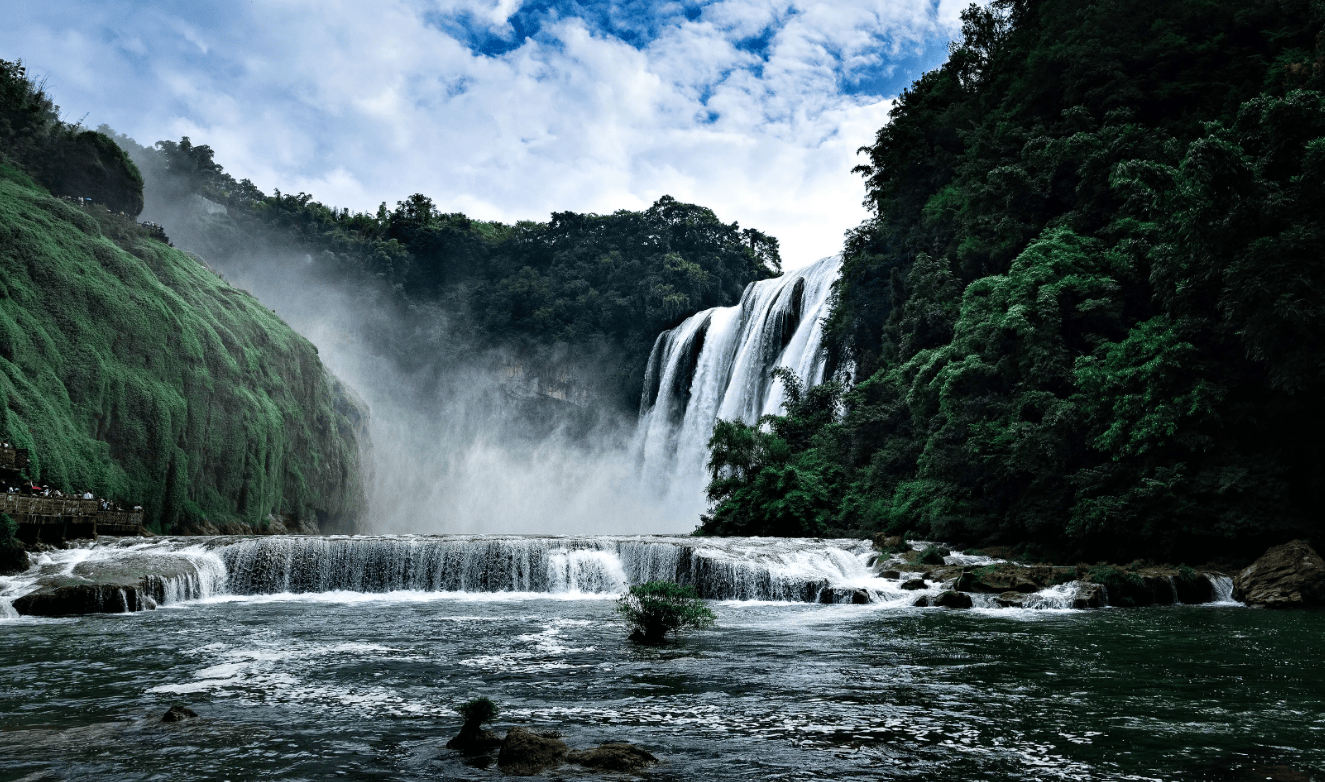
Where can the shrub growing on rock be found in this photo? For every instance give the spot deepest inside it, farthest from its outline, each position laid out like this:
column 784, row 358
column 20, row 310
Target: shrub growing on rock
column 657, row 608
column 931, row 555
column 472, row 737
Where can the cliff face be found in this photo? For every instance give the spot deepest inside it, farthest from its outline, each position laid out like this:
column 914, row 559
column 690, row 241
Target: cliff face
column 132, row 370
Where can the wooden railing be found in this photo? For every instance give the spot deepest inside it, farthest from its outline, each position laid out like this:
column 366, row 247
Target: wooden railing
column 26, row 509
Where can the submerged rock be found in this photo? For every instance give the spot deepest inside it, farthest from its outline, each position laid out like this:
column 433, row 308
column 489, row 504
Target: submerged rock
column 613, row 756
column 953, row 600
column 1288, row 576
column 474, row 740
column 179, row 713
column 524, row 753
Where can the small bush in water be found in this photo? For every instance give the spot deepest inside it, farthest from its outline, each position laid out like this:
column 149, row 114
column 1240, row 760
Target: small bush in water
column 659, row 607
column 478, row 711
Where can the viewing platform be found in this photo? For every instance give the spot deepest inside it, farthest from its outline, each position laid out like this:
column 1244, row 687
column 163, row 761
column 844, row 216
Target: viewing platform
column 67, row 517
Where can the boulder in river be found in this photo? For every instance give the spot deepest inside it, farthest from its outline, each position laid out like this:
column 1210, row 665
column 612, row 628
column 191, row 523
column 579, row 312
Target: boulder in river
column 525, row 753
column 474, row 740
column 915, row 583
column 1288, row 576
column 179, row 713
column 1089, row 596
column 953, row 600
column 613, row 756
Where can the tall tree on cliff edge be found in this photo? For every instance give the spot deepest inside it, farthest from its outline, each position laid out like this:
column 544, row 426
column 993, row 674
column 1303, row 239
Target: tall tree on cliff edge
column 1087, row 313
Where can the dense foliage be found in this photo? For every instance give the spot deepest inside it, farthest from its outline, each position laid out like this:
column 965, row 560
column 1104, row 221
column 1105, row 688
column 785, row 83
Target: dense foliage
column 1087, row 315
column 133, row 371
column 67, row 159
column 608, row 283
column 654, row 609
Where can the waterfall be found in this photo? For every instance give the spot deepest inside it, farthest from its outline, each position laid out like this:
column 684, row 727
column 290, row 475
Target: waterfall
column 717, row 365
column 728, row 569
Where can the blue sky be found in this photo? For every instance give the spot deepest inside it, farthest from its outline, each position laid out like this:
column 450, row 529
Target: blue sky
column 505, row 109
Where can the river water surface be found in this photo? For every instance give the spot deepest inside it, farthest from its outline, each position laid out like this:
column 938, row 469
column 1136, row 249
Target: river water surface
column 358, row 686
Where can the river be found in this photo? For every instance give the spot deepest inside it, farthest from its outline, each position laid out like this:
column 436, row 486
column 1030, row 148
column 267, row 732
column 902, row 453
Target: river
column 361, row 685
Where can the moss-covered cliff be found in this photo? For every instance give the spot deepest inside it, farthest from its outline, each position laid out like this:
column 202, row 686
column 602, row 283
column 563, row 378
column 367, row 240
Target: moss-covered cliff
column 131, row 369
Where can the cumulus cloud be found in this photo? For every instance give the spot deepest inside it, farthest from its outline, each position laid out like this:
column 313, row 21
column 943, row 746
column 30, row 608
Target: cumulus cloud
column 508, row 110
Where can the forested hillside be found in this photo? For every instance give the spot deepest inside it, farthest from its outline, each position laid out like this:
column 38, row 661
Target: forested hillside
column 600, row 287
column 133, row 371
column 1087, row 316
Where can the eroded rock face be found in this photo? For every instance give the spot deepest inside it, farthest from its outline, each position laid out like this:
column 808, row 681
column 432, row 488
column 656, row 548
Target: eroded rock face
column 614, row 756
column 1089, row 596
column 1287, row 576
column 524, row 753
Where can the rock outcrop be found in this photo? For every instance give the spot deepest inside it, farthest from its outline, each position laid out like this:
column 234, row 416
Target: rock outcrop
column 1287, row 576
column 129, row 582
column 525, row 753
column 618, row 756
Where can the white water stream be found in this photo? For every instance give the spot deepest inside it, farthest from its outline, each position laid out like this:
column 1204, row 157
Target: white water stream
column 717, row 365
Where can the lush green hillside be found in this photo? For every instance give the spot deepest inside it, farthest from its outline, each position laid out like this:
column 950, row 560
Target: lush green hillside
column 132, row 370
column 586, row 288
column 1088, row 314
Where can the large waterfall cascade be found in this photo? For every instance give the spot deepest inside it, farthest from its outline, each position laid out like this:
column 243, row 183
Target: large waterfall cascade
column 718, row 365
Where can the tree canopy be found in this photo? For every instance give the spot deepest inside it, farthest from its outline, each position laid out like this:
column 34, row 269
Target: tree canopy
column 1086, row 312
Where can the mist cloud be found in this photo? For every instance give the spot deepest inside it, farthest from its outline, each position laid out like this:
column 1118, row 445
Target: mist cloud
column 506, row 110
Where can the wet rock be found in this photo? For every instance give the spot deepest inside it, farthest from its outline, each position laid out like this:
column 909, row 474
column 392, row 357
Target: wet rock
column 1011, row 600
column 885, row 542
column 952, row 599
column 524, row 753
column 1089, row 596
column 13, row 558
column 861, row 597
column 613, row 756
column 892, row 574
column 129, row 582
column 922, row 602
column 915, row 583
column 474, row 739
column 1287, row 576
column 1193, row 587
column 970, row 582
column 179, row 713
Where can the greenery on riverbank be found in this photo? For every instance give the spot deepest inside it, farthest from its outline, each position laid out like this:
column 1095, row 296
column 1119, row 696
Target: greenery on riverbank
column 1088, row 312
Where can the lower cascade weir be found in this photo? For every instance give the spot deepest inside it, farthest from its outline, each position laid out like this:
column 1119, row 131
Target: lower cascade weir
column 133, row 575
column 729, row 569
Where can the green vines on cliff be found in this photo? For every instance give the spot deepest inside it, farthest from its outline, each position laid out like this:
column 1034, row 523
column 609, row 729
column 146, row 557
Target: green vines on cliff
column 133, row 371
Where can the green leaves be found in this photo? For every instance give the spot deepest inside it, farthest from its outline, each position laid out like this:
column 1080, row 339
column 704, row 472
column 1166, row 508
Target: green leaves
column 656, row 608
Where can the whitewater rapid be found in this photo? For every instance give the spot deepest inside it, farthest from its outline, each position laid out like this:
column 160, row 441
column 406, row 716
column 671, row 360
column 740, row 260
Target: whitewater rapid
column 133, row 574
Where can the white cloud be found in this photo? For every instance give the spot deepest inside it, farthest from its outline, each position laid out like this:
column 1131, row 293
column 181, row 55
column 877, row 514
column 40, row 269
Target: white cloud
column 361, row 103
